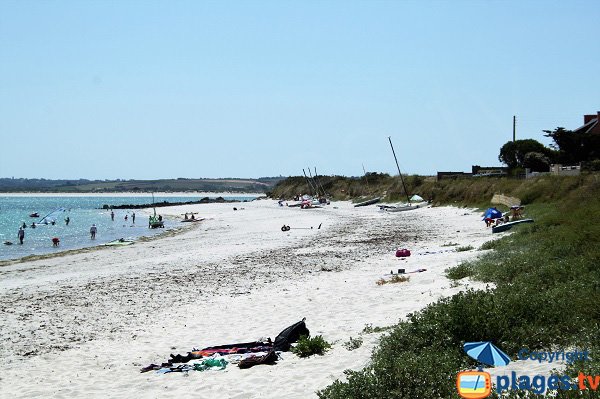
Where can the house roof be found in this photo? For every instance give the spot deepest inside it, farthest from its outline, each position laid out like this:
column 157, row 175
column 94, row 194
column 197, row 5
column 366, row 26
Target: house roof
column 589, row 127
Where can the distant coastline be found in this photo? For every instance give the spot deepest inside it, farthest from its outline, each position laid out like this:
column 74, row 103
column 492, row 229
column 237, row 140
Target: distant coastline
column 179, row 185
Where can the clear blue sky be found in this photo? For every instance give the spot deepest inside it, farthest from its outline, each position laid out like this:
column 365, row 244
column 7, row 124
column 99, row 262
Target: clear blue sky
column 166, row 89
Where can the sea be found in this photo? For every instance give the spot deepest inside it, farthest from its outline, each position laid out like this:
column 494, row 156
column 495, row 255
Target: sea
column 82, row 211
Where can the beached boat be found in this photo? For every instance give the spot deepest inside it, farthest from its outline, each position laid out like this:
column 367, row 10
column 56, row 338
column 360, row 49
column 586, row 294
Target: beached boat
column 405, row 207
column 191, row 220
column 368, row 202
column 409, row 206
column 509, row 225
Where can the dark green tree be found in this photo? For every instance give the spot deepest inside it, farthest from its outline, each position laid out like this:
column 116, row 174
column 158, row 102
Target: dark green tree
column 574, row 147
column 537, row 162
column 512, row 154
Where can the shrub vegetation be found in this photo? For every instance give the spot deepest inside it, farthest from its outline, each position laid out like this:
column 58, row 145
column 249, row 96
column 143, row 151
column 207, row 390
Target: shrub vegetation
column 307, row 346
column 544, row 291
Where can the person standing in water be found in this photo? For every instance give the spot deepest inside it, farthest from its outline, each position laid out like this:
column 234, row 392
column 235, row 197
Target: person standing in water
column 21, row 235
column 93, row 231
column 133, row 217
column 67, row 220
column 112, row 215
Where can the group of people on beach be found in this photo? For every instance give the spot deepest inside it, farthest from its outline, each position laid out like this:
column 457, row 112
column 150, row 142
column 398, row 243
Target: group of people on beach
column 56, row 240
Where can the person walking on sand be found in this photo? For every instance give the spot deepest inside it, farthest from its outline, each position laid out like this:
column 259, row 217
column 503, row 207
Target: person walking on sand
column 21, row 235
column 93, row 231
column 133, row 217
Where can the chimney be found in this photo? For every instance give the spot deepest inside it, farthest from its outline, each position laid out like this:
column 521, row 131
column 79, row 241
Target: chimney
column 588, row 118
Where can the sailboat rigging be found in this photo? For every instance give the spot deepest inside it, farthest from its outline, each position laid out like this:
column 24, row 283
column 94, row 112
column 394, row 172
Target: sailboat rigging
column 408, row 206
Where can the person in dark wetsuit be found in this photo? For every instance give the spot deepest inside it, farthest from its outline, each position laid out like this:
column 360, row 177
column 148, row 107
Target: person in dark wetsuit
column 21, row 235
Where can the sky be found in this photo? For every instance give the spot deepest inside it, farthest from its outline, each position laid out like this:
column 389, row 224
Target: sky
column 166, row 89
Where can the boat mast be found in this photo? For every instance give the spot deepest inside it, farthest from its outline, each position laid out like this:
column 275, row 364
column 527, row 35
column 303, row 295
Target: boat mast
column 396, row 159
column 367, row 180
column 319, row 183
column 153, row 204
column 312, row 189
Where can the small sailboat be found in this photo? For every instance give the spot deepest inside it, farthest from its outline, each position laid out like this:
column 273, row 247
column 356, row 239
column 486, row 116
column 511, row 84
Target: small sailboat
column 369, row 201
column 154, row 221
column 409, row 206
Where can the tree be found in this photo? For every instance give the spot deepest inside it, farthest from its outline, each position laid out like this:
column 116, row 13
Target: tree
column 513, row 153
column 574, row 147
column 537, row 162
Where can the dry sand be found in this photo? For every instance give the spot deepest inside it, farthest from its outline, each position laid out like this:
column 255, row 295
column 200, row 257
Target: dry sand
column 82, row 325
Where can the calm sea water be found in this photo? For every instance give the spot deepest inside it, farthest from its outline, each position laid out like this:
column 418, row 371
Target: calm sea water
column 82, row 212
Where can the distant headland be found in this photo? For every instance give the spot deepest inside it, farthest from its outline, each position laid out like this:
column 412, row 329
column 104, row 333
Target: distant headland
column 237, row 185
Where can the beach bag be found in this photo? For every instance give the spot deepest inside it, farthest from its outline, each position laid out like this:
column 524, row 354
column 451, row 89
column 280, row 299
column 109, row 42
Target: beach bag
column 402, row 253
column 269, row 358
column 290, row 335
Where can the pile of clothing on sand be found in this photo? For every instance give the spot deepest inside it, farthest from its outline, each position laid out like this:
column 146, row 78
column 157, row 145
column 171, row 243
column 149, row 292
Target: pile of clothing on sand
column 245, row 355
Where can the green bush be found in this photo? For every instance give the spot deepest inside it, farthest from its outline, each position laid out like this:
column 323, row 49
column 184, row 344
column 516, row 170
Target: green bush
column 369, row 329
column 353, row 343
column 311, row 346
column 464, row 249
column 493, row 244
column 461, row 271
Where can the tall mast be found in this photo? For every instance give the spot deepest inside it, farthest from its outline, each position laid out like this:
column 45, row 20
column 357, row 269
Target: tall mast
column 312, row 189
column 367, row 180
column 398, row 166
column 319, row 183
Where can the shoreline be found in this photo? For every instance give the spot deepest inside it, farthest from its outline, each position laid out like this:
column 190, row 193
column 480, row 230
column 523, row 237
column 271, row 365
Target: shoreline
column 32, row 258
column 237, row 278
column 73, row 238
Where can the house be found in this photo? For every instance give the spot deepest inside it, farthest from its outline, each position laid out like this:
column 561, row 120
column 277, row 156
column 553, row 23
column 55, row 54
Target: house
column 591, row 124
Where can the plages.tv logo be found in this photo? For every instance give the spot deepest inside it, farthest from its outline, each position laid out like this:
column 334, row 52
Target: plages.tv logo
column 477, row 384
column 474, row 384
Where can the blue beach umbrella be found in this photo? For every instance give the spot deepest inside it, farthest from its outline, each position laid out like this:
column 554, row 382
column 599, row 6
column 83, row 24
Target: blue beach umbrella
column 492, row 213
column 487, row 353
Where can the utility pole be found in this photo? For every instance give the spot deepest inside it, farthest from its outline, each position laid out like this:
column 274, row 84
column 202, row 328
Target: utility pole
column 514, row 128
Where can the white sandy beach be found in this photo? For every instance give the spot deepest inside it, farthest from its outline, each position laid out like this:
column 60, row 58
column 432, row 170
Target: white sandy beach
column 83, row 324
